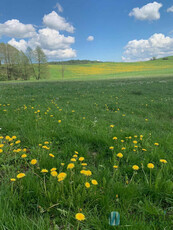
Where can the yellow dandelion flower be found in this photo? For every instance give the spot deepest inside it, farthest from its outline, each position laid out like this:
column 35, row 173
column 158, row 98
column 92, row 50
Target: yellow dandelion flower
column 112, row 126
column 59, row 121
column 44, row 170
column 70, row 166
column 7, row 137
column 24, row 156
column 115, row 166
column 163, row 161
column 87, row 185
column 144, row 150
column 120, row 155
column 80, row 216
column 75, row 155
column 123, row 148
column 46, row 142
column 12, row 179
column 111, row 148
column 33, row 161
column 62, row 164
column 53, row 169
column 73, row 159
column 51, row 155
column 114, row 138
column 61, row 176
column 1, row 145
column 20, row 175
column 76, row 152
column 81, row 158
column 17, row 142
column 122, row 141
column 156, row 144
column 84, row 164
column 54, row 173
column 150, row 165
column 94, row 182
column 1, row 150
column 135, row 142
column 135, row 167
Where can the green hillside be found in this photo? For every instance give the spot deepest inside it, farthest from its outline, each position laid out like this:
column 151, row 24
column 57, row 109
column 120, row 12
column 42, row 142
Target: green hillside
column 106, row 70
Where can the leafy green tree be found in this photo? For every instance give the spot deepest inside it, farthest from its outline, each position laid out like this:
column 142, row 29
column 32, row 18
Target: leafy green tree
column 41, row 62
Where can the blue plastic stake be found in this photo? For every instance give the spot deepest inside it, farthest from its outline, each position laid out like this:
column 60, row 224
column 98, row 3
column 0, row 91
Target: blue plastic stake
column 114, row 219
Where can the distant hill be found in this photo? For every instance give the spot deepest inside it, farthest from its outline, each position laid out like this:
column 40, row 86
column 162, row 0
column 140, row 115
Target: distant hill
column 73, row 62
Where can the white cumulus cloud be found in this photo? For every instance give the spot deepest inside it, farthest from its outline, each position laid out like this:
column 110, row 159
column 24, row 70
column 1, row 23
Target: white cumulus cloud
column 90, row 38
column 60, row 53
column 170, row 9
column 59, row 7
column 14, row 28
column 20, row 45
column 56, row 22
column 147, row 12
column 158, row 45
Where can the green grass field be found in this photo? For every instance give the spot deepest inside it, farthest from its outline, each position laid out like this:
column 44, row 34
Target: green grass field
column 59, row 122
column 110, row 70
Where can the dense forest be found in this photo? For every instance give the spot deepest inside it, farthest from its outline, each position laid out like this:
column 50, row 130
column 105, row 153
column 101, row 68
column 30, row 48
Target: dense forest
column 17, row 65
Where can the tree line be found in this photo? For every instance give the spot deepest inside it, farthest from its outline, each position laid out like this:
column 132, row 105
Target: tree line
column 17, row 65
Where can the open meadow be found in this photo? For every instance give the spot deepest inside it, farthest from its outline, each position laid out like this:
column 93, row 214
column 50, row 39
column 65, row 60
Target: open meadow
column 71, row 152
column 108, row 70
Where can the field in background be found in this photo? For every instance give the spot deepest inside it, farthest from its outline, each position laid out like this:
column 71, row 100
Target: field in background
column 55, row 122
column 109, row 70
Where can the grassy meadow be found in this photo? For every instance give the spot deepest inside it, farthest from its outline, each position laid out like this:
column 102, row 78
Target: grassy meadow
column 109, row 70
column 89, row 147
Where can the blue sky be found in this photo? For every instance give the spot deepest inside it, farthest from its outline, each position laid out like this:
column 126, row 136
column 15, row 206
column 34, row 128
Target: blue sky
column 126, row 30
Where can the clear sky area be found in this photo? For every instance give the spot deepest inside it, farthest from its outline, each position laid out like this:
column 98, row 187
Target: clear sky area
column 105, row 30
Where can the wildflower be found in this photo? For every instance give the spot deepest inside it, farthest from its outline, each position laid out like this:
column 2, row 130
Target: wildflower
column 156, row 144
column 17, row 142
column 75, row 155
column 12, row 179
column 146, row 119
column 33, row 161
column 123, row 148
column 44, row 170
column 115, row 166
column 81, row 158
column 111, row 148
column 70, row 166
column 115, row 138
column 39, row 144
column 1, row 150
column 150, row 165
column 20, row 175
column 87, row 185
column 80, row 216
column 135, row 142
column 1, row 145
column 73, row 159
column 86, row 172
column 76, row 152
column 84, row 164
column 54, row 173
column 59, row 121
column 112, row 126
column 53, row 169
column 51, row 155
column 120, row 155
column 24, row 156
column 61, row 176
column 62, row 164
column 94, row 182
column 46, row 142
column 144, row 150
column 7, row 137
column 122, row 141
column 135, row 167
column 24, row 150
column 163, row 161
